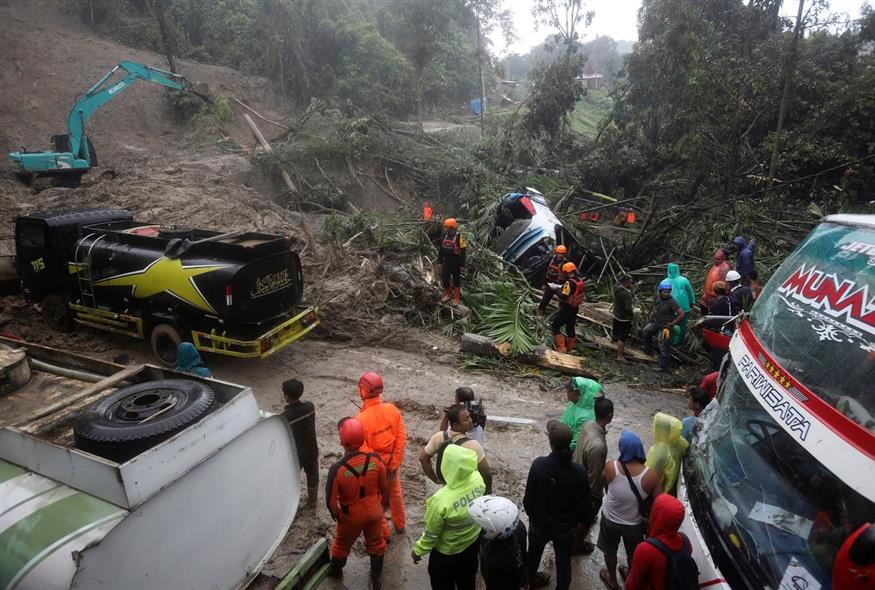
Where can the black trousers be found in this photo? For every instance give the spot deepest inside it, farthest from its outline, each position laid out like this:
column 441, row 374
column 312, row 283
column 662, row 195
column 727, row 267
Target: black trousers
column 563, row 544
column 546, row 298
column 566, row 316
column 310, row 465
column 451, row 270
column 454, row 572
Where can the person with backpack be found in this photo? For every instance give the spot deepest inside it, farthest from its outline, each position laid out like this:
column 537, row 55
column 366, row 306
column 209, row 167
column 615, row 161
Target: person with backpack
column 503, row 544
column 450, row 537
column 664, row 560
column 386, row 435
column 357, row 493
column 459, row 419
column 553, row 274
column 629, row 485
column 465, row 396
column 571, row 292
column 557, row 500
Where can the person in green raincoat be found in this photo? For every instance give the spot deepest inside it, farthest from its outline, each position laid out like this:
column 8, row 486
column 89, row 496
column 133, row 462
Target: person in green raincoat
column 450, row 536
column 581, row 393
column 682, row 292
column 667, row 452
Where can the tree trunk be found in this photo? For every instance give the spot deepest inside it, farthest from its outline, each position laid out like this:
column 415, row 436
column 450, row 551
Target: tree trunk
column 789, row 70
column 166, row 45
column 482, row 79
column 419, row 101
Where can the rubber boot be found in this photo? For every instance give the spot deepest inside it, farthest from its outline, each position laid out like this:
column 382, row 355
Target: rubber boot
column 569, row 345
column 335, row 568
column 448, row 293
column 560, row 342
column 457, row 296
column 376, row 572
column 312, row 498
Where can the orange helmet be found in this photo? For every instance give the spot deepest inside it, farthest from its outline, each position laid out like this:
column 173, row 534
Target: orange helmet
column 560, row 249
column 370, row 385
column 352, row 433
column 449, row 222
column 569, row 267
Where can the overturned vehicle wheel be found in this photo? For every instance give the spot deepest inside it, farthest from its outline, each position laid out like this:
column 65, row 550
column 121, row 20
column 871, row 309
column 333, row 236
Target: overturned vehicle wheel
column 136, row 418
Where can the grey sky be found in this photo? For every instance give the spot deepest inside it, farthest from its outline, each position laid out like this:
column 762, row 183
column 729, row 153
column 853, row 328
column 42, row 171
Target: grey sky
column 614, row 18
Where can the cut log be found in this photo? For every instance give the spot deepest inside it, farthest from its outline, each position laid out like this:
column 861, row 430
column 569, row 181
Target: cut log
column 541, row 356
column 630, row 353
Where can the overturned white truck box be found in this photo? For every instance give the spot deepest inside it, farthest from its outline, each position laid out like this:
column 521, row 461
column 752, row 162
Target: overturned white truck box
column 165, row 497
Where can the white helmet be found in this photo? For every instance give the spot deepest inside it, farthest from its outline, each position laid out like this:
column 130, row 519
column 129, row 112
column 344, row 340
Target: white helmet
column 497, row 516
column 733, row 276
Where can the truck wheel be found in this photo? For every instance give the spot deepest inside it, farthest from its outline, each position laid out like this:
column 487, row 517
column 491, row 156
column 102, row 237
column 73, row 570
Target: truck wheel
column 57, row 314
column 136, row 418
column 165, row 340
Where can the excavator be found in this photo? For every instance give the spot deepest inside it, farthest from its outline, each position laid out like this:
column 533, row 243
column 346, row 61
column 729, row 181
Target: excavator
column 74, row 154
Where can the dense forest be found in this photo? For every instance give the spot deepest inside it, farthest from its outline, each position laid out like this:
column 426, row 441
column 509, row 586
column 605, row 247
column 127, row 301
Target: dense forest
column 724, row 117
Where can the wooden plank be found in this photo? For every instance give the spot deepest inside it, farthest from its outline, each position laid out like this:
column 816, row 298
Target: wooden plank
column 631, row 354
column 567, row 364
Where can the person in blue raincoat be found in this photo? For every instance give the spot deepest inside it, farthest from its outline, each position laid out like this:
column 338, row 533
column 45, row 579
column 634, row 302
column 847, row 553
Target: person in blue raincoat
column 682, row 292
column 745, row 262
column 188, row 360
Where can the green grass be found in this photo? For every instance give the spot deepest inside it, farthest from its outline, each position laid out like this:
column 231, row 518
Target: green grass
column 591, row 110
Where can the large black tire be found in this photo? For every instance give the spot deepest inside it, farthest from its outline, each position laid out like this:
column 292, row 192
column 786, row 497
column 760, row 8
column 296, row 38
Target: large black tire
column 136, row 418
column 165, row 339
column 57, row 314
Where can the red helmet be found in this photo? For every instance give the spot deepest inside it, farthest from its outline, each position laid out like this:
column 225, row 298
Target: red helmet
column 450, row 223
column 352, row 433
column 370, row 385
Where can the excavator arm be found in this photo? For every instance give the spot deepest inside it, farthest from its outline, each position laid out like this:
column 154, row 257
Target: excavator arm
column 77, row 158
column 102, row 92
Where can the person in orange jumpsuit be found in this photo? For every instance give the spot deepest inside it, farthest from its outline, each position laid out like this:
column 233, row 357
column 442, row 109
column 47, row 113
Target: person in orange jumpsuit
column 356, row 494
column 385, row 435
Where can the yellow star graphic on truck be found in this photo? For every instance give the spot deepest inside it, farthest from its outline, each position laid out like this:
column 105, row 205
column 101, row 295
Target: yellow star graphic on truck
column 165, row 275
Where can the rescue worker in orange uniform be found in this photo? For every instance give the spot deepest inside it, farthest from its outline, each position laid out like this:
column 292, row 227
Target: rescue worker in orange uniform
column 570, row 297
column 385, row 435
column 451, row 257
column 554, row 274
column 357, row 493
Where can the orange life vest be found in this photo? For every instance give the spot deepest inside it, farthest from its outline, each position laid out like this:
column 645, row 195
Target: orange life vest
column 452, row 245
column 575, row 298
column 554, row 270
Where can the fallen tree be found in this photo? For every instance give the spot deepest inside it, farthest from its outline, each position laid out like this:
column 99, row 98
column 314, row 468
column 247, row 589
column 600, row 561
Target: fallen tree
column 540, row 356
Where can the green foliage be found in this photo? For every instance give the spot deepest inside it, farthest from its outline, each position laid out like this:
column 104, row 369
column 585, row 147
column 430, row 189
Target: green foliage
column 222, row 109
column 555, row 94
column 590, row 111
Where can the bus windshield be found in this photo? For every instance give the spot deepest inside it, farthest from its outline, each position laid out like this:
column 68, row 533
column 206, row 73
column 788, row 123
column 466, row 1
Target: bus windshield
column 772, row 502
column 816, row 316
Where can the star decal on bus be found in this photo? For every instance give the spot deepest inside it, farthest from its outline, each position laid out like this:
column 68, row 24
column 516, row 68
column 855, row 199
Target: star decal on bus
column 167, row 275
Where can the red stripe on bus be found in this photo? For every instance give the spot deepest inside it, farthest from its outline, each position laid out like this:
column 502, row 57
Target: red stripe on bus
column 851, row 432
column 713, row 582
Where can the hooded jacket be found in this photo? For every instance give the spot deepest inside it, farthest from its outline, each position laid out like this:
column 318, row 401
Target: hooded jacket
column 681, row 289
column 649, row 569
column 717, row 272
column 667, row 452
column 583, row 410
column 189, row 360
column 448, row 528
column 745, row 261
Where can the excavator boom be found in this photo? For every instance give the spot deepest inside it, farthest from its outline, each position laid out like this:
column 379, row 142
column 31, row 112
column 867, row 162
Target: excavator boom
column 73, row 154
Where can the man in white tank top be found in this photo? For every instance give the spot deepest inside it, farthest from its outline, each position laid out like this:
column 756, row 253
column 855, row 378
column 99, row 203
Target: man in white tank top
column 622, row 517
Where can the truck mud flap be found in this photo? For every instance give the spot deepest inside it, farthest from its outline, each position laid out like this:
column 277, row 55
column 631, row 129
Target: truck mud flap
column 310, row 569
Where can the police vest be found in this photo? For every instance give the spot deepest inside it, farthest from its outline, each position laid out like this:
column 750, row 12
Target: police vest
column 554, row 270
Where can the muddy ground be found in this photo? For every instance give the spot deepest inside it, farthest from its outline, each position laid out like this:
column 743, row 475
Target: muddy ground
column 203, row 175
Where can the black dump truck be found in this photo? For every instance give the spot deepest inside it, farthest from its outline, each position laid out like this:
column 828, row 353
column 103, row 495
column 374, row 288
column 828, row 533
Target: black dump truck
column 236, row 293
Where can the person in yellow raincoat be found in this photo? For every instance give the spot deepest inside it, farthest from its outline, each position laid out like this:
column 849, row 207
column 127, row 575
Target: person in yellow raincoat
column 667, row 452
